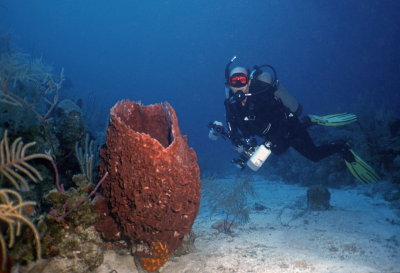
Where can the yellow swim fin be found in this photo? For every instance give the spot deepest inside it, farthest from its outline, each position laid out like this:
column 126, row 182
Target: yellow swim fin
column 333, row 119
column 361, row 170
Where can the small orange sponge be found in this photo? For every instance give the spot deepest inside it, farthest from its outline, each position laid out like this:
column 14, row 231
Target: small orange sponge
column 159, row 256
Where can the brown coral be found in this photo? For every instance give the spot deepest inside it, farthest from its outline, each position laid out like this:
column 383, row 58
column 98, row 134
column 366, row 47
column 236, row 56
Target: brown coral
column 152, row 193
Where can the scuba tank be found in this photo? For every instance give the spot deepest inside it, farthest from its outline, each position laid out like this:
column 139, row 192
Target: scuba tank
column 281, row 93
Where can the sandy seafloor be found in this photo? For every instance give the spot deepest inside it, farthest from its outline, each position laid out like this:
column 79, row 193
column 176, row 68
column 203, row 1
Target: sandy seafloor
column 361, row 233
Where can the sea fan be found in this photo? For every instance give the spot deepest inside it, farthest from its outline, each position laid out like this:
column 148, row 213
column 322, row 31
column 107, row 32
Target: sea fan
column 229, row 198
column 11, row 213
column 13, row 162
column 14, row 166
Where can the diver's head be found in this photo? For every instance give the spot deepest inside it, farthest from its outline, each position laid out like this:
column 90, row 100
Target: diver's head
column 239, row 79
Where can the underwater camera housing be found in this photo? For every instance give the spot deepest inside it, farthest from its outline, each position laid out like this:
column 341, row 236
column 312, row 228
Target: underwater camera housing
column 246, row 149
column 259, row 156
column 253, row 157
column 216, row 129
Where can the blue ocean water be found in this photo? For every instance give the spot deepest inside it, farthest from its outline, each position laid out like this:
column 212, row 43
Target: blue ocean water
column 332, row 55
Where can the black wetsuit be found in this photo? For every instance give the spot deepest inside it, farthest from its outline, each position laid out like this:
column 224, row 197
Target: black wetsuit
column 265, row 116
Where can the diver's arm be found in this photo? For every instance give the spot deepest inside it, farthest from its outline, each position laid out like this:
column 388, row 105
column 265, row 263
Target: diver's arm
column 232, row 129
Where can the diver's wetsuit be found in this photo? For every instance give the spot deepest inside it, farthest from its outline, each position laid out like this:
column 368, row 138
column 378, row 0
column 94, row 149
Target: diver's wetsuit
column 265, row 116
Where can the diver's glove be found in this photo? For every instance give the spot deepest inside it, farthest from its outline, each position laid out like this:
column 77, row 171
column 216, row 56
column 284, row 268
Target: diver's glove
column 216, row 129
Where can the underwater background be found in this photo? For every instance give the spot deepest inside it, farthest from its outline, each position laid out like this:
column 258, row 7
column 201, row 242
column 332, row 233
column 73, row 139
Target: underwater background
column 333, row 56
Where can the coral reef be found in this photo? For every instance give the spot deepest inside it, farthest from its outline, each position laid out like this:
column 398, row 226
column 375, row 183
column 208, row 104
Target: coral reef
column 14, row 165
column 69, row 238
column 69, row 125
column 68, row 232
column 23, row 77
column 31, row 110
column 30, row 101
column 74, row 250
column 11, row 213
column 86, row 157
column 152, row 194
column 14, row 162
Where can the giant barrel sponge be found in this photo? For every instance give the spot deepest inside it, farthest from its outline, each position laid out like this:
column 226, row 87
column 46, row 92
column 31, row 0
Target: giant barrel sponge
column 151, row 196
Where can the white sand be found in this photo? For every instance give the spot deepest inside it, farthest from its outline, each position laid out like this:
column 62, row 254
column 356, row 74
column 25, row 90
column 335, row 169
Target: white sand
column 356, row 235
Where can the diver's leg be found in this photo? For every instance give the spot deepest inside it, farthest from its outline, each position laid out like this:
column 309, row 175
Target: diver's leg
column 303, row 143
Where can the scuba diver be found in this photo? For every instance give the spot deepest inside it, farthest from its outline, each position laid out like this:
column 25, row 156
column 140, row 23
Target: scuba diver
column 259, row 108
